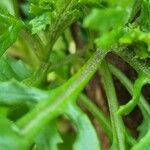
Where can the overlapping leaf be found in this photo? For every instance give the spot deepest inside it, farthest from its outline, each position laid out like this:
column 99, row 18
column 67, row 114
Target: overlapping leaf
column 58, row 99
column 143, row 143
column 9, row 137
column 12, row 69
column 40, row 23
column 86, row 135
column 139, row 39
column 66, row 11
column 109, row 22
column 145, row 16
column 13, row 28
column 13, row 93
column 104, row 20
column 7, row 5
column 49, row 138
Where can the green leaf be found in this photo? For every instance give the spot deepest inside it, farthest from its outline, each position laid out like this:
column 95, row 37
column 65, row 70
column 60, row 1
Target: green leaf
column 90, row 1
column 143, row 143
column 7, row 73
column 41, row 6
column 105, row 19
column 20, row 68
column 59, row 98
column 109, row 23
column 86, row 135
column 136, row 7
column 139, row 39
column 122, row 3
column 145, row 16
column 10, row 36
column 49, row 138
column 7, row 5
column 110, row 39
column 12, row 93
column 9, row 138
column 143, row 128
column 41, row 22
column 13, row 69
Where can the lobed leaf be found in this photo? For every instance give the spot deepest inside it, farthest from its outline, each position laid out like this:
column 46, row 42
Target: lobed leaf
column 9, row 138
column 13, row 70
column 7, row 5
column 12, row 93
column 109, row 22
column 10, row 36
column 139, row 39
column 104, row 20
column 40, row 23
column 86, row 135
column 143, row 143
column 145, row 16
column 59, row 98
column 49, row 138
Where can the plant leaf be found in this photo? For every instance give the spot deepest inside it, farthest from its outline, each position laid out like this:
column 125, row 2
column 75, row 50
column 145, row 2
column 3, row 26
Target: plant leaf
column 41, row 22
column 49, row 138
column 105, row 19
column 144, row 126
column 20, row 68
column 145, row 16
column 10, row 36
column 109, row 23
column 110, row 39
column 7, row 5
column 9, row 138
column 13, row 92
column 58, row 98
column 86, row 135
column 143, row 143
column 139, row 39
column 13, row 69
column 8, row 72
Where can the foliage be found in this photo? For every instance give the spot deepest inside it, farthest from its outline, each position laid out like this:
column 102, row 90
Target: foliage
column 43, row 71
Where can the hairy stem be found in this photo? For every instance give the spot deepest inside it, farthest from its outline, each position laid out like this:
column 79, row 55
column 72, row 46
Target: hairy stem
column 141, row 66
column 49, row 109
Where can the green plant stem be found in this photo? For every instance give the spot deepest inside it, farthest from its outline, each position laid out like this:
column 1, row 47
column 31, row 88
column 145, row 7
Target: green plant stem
column 47, row 110
column 38, row 77
column 60, row 24
column 103, row 121
column 141, row 66
column 62, row 21
column 27, row 52
column 116, row 120
column 98, row 114
column 127, row 108
column 144, row 106
column 72, row 58
column 16, row 8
